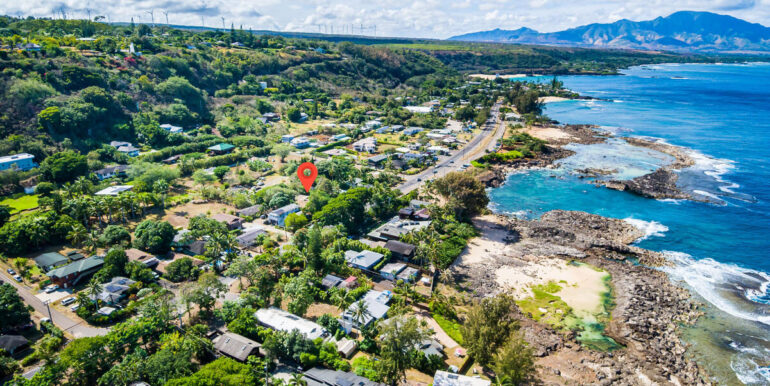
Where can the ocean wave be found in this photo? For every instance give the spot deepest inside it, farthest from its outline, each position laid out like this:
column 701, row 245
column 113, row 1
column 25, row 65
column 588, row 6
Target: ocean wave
column 746, row 368
column 723, row 285
column 650, row 228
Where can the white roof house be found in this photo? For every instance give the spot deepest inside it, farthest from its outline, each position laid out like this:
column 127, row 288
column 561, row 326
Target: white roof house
column 443, row 378
column 171, row 128
column 363, row 260
column 114, row 190
column 368, row 144
column 419, row 109
column 377, row 305
column 280, row 320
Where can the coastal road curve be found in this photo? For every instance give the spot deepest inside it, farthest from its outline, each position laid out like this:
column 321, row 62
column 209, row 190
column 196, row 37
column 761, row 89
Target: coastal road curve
column 76, row 328
column 476, row 147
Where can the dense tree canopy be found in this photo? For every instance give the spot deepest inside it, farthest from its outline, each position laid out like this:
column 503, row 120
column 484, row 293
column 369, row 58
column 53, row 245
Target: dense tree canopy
column 154, row 236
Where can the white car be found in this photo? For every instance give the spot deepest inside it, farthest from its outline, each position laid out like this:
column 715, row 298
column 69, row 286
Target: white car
column 75, row 307
column 51, row 288
column 68, row 301
column 17, row 278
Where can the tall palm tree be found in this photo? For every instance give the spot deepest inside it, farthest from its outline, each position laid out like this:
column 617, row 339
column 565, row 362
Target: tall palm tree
column 342, row 299
column 93, row 289
column 297, row 380
column 360, row 312
column 78, row 234
column 161, row 187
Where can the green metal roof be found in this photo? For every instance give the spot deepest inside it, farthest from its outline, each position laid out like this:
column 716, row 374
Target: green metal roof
column 221, row 147
column 77, row 267
column 50, row 259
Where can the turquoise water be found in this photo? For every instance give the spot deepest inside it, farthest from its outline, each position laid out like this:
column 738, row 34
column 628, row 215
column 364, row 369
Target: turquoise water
column 721, row 114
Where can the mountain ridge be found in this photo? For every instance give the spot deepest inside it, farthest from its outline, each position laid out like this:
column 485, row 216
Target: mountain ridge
column 680, row 31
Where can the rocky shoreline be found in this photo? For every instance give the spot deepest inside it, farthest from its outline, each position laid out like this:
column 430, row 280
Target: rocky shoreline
column 648, row 307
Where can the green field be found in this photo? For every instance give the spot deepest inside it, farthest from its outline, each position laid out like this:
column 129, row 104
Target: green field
column 20, row 203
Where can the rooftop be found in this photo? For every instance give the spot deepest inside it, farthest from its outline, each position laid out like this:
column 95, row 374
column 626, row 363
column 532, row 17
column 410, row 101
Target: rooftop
column 280, row 320
column 443, row 378
column 77, row 267
column 114, row 190
column 366, row 259
column 318, row 376
column 50, row 259
column 16, row 157
column 236, row 346
column 221, row 147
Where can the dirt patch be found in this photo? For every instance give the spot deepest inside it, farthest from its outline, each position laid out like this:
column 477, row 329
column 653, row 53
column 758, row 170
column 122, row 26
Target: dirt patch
column 179, row 216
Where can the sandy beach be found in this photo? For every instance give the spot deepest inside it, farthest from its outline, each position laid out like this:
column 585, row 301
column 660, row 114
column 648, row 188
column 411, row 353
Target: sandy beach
column 549, row 134
column 551, row 99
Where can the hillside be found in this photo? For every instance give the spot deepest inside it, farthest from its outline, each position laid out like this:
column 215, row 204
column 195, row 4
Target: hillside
column 680, row 31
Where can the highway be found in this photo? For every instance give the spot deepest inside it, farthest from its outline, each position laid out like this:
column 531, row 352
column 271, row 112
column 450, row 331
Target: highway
column 486, row 140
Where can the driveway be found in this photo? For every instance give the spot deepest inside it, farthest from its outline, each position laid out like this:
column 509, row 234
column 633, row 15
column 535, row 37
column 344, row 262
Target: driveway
column 77, row 328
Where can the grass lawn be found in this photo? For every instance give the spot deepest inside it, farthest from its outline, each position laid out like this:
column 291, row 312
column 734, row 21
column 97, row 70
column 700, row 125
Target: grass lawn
column 20, row 203
column 451, row 328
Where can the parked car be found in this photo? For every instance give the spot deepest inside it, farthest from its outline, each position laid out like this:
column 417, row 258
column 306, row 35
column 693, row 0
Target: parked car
column 68, row 301
column 10, row 271
column 51, row 288
column 75, row 307
column 18, row 278
column 45, row 320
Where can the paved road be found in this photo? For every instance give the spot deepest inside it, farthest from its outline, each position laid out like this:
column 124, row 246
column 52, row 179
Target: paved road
column 477, row 147
column 77, row 328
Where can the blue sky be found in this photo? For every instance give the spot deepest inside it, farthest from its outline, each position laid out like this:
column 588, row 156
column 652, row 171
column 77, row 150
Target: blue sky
column 409, row 18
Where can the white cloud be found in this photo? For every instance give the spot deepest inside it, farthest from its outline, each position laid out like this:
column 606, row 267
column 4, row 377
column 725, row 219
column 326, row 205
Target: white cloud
column 405, row 18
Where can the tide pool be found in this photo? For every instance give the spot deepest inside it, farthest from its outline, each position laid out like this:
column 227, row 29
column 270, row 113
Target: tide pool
column 719, row 113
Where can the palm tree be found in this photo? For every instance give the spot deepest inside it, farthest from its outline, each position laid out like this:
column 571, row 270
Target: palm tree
column 360, row 313
column 36, row 231
column 342, row 299
column 78, row 235
column 161, row 187
column 297, row 380
column 93, row 289
column 92, row 241
column 82, row 185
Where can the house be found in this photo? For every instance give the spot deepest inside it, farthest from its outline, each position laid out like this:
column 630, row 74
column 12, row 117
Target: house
column 438, row 150
column 339, row 137
column 114, row 190
column 300, row 143
column 287, row 138
column 400, row 250
column 419, row 109
column 512, row 117
column 395, row 228
column 397, row 128
column 373, row 124
column 114, row 291
column 69, row 275
column 280, row 320
column 129, row 150
column 29, row 47
column 50, row 260
column 232, row 222
column 111, row 171
column 74, row 256
column 278, row 216
column 350, row 283
column 336, row 152
column 412, row 130
column 431, row 347
column 330, row 281
column 391, row 270
column 368, row 144
column 318, row 376
column 270, row 116
column 250, row 211
column 346, row 347
column 237, row 44
column 405, row 213
column 221, row 148
column 196, row 248
column 117, row 144
column 444, row 378
column 171, row 128
column 409, row 274
column 236, row 346
column 106, row 311
column 376, row 303
column 13, row 344
column 21, row 161
column 141, row 256
column 172, row 160
column 365, row 259
column 249, row 236
column 378, row 161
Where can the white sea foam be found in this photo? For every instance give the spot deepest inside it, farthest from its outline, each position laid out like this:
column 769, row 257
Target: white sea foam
column 712, row 280
column 650, row 228
column 746, row 368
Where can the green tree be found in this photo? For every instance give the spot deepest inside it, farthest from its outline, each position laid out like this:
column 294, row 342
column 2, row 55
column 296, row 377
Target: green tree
column 465, row 195
column 64, row 166
column 221, row 171
column 182, row 269
column 293, row 114
column 295, row 221
column 281, row 150
column 399, row 336
column 487, row 326
column 154, row 236
column 114, row 264
column 347, row 209
column 207, row 290
column 115, row 235
column 300, row 293
column 223, row 371
column 13, row 311
column 202, row 177
column 514, row 363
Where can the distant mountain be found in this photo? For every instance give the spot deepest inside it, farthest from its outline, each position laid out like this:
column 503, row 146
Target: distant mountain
column 680, row 31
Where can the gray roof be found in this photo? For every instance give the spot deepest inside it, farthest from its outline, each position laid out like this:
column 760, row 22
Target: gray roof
column 392, row 269
column 400, row 247
column 365, row 258
column 50, row 259
column 112, row 169
column 376, row 303
column 318, row 376
column 330, row 281
column 408, row 274
column 235, row 346
column 431, row 347
column 285, row 209
column 443, row 378
column 12, row 342
column 79, row 266
column 250, row 211
column 248, row 236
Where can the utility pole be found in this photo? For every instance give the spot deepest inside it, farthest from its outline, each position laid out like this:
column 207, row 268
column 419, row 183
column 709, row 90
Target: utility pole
column 47, row 302
column 223, row 22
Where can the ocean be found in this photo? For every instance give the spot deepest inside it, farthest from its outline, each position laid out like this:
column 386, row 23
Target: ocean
column 721, row 250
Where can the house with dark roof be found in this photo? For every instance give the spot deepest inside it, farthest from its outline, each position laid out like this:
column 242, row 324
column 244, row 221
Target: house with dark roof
column 232, row 222
column 378, row 161
column 50, row 260
column 114, row 291
column 249, row 236
column 250, row 211
column 195, row 248
column 13, row 344
column 330, row 281
column 400, row 250
column 318, row 376
column 236, row 346
column 363, row 260
column 111, row 171
column 69, row 275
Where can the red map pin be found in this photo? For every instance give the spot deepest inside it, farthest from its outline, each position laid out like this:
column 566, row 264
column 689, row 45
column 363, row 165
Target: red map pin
column 305, row 179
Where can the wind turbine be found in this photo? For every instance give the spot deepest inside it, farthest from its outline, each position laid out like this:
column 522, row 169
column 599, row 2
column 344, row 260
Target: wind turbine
column 165, row 13
column 152, row 16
